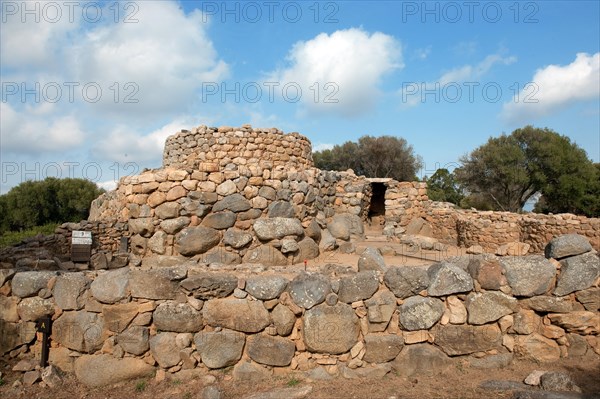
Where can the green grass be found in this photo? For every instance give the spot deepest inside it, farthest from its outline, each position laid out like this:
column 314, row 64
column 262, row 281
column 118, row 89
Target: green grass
column 293, row 382
column 10, row 238
column 140, row 386
column 2, row 382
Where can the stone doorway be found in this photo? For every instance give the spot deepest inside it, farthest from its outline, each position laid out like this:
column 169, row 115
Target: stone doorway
column 377, row 206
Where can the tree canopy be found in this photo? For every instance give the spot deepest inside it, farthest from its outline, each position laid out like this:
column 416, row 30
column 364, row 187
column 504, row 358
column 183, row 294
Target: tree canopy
column 442, row 186
column 508, row 170
column 383, row 156
column 36, row 203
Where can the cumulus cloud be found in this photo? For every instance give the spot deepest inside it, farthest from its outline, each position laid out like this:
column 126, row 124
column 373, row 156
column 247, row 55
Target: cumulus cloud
column 555, row 87
column 35, row 132
column 167, row 55
column 35, row 40
column 164, row 57
column 122, row 144
column 411, row 92
column 340, row 72
column 474, row 72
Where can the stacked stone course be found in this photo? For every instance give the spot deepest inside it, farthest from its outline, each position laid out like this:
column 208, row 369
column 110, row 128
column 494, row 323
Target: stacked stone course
column 188, row 318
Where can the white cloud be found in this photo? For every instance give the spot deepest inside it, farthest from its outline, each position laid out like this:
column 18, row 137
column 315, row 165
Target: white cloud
column 412, row 92
column 322, row 147
column 474, row 72
column 422, row 53
column 34, row 132
column 27, row 43
column 554, row 87
column 353, row 62
column 108, row 185
column 167, row 54
column 123, row 144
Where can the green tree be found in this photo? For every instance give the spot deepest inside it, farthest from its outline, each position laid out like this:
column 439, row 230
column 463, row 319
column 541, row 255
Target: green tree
column 384, row 156
column 36, row 203
column 508, row 170
column 442, row 186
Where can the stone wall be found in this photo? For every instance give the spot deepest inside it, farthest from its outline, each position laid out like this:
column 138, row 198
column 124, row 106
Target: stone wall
column 208, row 149
column 216, row 189
column 182, row 317
column 492, row 229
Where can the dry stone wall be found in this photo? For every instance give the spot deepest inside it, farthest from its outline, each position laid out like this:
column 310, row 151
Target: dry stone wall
column 241, row 194
column 493, row 229
column 208, row 149
column 185, row 318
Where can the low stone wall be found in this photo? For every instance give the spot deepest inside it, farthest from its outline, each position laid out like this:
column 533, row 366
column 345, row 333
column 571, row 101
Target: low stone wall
column 53, row 252
column 492, row 229
column 180, row 316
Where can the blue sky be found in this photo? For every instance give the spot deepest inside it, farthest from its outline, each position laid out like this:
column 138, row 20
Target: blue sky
column 93, row 91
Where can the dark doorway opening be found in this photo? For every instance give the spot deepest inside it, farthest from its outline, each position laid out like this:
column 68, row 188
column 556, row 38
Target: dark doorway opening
column 377, row 206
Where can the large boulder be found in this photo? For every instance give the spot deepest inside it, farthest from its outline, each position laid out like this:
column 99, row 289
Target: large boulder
column 308, row 290
column 219, row 221
column 546, row 304
column 307, row 249
column 154, row 284
column 277, row 228
column 265, row 255
column 111, row 286
column 68, row 289
column 382, row 348
column 210, row 285
column 15, row 334
column 567, row 245
column 283, row 319
column 236, row 238
column 236, row 314
column 465, row 339
column 177, row 317
column 577, row 273
column 34, row 308
column 234, row 202
column 580, row 322
column 447, row 278
column 164, row 349
column 380, row 309
column 528, row 275
column 134, row 340
column 266, row 287
column 406, row 281
column 357, row 287
column 371, row 259
column 80, row 331
column 272, row 351
column 8, row 309
column 26, row 284
column 420, row 359
column 101, row 370
column 220, row 349
column 196, row 240
column 220, row 255
column 487, row 272
column 537, row 348
column 344, row 225
column 420, row 313
column 281, row 209
column 485, row 307
column 330, row 329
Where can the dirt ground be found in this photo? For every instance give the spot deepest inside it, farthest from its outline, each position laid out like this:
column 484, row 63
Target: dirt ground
column 457, row 382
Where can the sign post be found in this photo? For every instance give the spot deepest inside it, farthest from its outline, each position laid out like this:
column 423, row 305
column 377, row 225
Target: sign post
column 81, row 246
column 44, row 325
